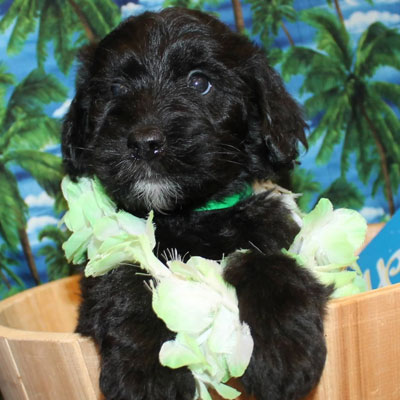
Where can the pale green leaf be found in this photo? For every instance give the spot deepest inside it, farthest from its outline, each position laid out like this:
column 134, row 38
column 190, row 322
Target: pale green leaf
column 187, row 307
column 181, row 352
column 75, row 247
column 227, row 392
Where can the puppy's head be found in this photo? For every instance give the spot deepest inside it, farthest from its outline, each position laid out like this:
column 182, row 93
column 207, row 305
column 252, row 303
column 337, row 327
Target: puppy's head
column 173, row 109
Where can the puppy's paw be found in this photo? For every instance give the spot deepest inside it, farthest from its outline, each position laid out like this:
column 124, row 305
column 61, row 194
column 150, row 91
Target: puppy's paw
column 159, row 383
column 284, row 307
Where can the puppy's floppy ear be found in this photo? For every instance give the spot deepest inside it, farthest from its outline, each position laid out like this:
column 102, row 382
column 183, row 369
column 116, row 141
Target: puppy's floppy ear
column 75, row 132
column 282, row 123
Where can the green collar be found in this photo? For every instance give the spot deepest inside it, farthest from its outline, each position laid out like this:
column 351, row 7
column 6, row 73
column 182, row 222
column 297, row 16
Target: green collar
column 227, row 202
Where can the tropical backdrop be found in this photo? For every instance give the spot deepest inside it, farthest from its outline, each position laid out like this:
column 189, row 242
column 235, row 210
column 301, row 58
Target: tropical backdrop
column 340, row 59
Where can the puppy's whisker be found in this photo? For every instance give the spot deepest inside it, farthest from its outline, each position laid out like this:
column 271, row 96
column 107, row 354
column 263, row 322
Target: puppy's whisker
column 121, row 163
column 234, row 162
column 83, row 148
column 256, row 247
column 87, row 164
column 230, row 146
column 231, row 161
column 226, row 159
column 222, row 153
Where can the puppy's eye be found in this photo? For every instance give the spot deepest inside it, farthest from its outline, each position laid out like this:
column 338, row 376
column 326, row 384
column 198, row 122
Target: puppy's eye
column 199, row 82
column 117, row 89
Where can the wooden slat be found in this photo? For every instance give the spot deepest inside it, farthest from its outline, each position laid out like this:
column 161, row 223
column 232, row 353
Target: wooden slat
column 66, row 299
column 11, row 384
column 38, row 362
column 363, row 339
column 50, row 365
column 47, row 308
column 92, row 363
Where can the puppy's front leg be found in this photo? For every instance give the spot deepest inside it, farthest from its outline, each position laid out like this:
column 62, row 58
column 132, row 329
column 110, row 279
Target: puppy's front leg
column 284, row 307
column 117, row 312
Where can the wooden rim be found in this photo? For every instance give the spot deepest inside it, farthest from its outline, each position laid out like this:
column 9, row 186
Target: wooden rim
column 13, row 333
column 21, row 334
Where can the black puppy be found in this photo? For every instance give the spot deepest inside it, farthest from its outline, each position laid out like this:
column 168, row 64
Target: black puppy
column 173, row 110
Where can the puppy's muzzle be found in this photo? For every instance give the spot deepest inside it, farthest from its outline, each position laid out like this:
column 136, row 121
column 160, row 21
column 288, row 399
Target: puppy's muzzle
column 146, row 143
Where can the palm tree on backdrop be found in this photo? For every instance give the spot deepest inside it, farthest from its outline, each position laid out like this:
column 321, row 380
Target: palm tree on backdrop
column 190, row 4
column 268, row 17
column 339, row 10
column 25, row 130
column 199, row 5
column 239, row 18
column 7, row 275
column 350, row 106
column 303, row 182
column 56, row 262
column 344, row 194
column 67, row 23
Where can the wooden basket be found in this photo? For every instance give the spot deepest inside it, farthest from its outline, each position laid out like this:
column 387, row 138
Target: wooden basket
column 40, row 357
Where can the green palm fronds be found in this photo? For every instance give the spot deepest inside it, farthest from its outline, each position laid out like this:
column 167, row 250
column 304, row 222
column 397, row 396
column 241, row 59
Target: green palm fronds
column 191, row 4
column 10, row 282
column 268, row 17
column 13, row 209
column 304, row 183
column 24, row 110
column 378, row 46
column 45, row 168
column 25, row 131
column 57, row 265
column 24, row 13
column 351, row 106
column 343, row 194
column 6, row 78
column 66, row 23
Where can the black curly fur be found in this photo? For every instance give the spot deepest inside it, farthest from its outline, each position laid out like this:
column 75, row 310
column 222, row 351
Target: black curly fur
column 133, row 87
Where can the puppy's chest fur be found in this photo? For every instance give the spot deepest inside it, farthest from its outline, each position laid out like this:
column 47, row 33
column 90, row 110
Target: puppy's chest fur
column 260, row 222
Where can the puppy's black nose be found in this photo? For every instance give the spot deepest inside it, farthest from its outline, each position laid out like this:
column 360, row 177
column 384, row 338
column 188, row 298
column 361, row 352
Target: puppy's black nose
column 146, row 143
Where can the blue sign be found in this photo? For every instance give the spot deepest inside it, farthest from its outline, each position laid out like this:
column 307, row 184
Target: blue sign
column 380, row 260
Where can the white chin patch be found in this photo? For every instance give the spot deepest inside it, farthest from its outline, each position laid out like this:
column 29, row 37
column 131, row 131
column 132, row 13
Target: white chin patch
column 159, row 196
